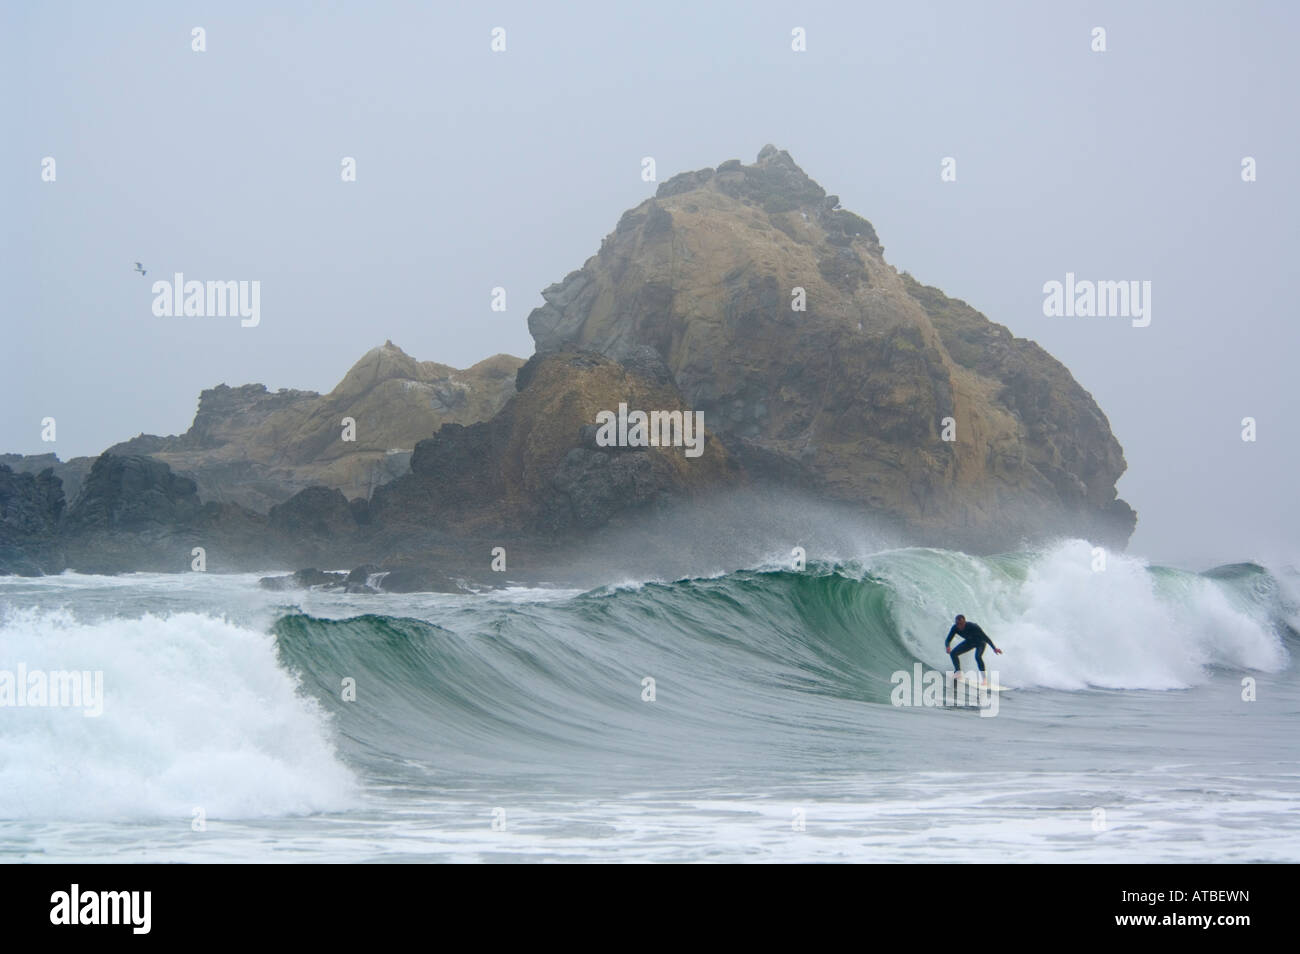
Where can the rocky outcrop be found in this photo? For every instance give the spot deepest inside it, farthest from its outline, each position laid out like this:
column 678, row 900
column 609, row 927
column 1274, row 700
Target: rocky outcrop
column 850, row 397
column 743, row 292
column 535, row 467
column 257, row 448
column 304, row 580
column 133, row 494
column 132, row 513
column 70, row 472
column 30, row 509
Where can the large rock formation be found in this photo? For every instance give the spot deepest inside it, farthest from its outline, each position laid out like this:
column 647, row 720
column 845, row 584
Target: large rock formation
column 848, row 397
column 256, row 448
column 686, row 307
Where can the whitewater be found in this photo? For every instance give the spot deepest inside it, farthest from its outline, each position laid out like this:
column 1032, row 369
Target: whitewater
column 733, row 716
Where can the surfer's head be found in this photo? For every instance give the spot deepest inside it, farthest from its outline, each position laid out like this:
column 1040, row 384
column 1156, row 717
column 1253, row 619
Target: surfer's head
column 960, row 621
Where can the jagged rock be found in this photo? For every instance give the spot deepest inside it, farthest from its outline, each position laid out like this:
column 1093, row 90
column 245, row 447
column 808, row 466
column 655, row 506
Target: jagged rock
column 848, row 398
column 258, row 448
column 30, row 508
column 71, row 472
column 126, row 494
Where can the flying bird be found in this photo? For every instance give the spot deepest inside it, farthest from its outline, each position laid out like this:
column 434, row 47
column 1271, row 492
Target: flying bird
column 140, row 268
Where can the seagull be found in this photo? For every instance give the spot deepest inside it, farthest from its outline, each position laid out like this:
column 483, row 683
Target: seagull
column 140, row 268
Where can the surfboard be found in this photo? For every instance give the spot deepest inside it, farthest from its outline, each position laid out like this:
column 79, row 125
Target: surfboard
column 973, row 683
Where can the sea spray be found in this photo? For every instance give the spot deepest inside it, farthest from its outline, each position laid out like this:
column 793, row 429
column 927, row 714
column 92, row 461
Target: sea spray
column 197, row 712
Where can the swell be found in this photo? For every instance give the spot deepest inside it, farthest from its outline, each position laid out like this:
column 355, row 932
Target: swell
column 761, row 668
column 770, row 650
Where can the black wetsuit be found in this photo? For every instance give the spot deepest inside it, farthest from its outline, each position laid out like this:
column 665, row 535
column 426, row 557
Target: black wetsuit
column 972, row 638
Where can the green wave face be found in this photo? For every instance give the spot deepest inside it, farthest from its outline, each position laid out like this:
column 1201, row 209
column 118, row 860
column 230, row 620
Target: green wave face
column 775, row 662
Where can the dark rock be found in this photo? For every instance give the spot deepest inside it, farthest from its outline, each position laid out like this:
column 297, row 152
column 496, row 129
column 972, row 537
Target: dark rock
column 645, row 362
column 363, row 573
column 30, row 510
column 30, row 506
column 321, row 511
column 592, row 487
column 360, row 508
column 414, row 579
column 71, row 472
column 358, row 580
column 461, row 462
column 302, row 579
column 132, row 494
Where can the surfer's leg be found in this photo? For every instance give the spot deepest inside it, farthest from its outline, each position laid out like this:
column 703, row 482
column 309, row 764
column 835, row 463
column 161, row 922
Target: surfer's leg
column 962, row 647
column 979, row 657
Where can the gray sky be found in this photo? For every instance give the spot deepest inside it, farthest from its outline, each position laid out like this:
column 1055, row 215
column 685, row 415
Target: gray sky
column 477, row 169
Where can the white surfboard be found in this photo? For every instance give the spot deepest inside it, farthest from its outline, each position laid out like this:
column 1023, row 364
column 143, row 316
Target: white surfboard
column 973, row 682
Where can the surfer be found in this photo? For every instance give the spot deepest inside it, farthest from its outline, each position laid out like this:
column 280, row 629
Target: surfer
column 972, row 638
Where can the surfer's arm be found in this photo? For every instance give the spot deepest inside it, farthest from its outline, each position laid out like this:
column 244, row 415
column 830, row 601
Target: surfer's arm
column 980, row 634
column 951, row 633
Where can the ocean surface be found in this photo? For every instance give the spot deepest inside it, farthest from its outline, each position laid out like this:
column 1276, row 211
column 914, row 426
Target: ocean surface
column 1152, row 717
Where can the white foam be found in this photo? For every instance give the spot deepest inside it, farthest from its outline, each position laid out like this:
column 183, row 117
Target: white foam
column 197, row 713
column 1066, row 626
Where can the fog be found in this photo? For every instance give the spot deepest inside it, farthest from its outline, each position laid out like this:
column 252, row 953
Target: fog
column 478, row 169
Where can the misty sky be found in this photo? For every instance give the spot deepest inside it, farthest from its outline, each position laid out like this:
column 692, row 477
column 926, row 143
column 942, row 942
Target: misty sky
column 477, row 169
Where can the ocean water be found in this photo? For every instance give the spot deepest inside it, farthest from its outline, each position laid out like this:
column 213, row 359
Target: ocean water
column 1152, row 717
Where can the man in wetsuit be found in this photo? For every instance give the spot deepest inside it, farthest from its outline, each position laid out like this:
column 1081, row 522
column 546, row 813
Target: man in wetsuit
column 972, row 638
